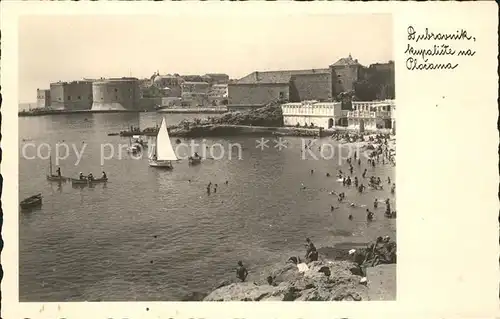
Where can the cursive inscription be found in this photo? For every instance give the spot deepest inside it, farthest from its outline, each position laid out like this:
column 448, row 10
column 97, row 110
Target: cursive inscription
column 428, row 50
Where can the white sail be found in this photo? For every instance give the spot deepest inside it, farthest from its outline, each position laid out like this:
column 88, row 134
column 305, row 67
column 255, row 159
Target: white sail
column 164, row 150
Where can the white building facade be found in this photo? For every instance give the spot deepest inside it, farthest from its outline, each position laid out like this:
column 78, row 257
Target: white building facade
column 371, row 115
column 326, row 115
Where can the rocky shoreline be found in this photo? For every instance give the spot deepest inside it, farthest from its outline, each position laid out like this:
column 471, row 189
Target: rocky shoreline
column 335, row 276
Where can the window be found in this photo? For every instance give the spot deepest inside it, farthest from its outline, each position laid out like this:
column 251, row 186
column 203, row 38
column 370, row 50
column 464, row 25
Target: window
column 69, row 97
column 79, row 97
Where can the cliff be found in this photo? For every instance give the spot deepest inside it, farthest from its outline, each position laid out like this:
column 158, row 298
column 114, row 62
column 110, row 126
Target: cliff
column 324, row 281
column 328, row 279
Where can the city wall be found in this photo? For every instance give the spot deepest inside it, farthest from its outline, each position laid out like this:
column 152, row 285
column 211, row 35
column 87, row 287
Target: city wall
column 116, row 94
column 257, row 94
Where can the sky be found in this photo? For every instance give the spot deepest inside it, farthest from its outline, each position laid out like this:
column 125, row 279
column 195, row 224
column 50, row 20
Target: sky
column 66, row 48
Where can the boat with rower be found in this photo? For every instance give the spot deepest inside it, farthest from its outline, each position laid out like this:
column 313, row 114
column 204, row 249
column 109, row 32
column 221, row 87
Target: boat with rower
column 31, row 202
column 77, row 181
column 162, row 154
column 55, row 178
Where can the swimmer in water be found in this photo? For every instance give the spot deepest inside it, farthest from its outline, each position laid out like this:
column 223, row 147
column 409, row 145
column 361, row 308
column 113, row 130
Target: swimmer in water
column 369, row 215
column 350, row 217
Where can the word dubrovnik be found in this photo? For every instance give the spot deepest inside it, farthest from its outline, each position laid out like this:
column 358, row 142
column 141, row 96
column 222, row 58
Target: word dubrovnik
column 418, row 58
column 458, row 35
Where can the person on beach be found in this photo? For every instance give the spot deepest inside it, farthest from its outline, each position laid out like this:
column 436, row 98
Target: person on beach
column 312, row 171
column 295, row 260
column 359, row 161
column 359, row 259
column 361, row 188
column 364, row 173
column 311, row 252
column 356, row 182
column 241, row 271
column 270, row 281
column 375, row 203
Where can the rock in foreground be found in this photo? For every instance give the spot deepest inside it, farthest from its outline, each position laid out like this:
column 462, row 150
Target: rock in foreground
column 289, row 284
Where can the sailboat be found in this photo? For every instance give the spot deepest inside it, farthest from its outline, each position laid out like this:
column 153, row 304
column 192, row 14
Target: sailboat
column 52, row 177
column 162, row 154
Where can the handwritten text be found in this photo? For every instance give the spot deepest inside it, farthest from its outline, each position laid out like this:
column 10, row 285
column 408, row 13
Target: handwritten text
column 422, row 55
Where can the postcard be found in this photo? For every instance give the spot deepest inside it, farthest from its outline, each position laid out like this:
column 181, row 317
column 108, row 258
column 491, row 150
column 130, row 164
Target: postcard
column 215, row 159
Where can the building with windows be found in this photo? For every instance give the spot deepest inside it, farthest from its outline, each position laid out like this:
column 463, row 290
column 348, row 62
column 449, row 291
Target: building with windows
column 42, row 98
column 195, row 93
column 76, row 95
column 326, row 115
column 371, row 115
column 116, row 94
column 216, row 78
column 324, row 85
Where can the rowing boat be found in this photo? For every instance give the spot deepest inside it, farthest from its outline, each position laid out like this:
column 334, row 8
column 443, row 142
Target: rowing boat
column 55, row 178
column 31, row 202
column 77, row 181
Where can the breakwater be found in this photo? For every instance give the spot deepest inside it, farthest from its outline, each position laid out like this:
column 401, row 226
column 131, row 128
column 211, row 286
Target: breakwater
column 42, row 112
column 221, row 130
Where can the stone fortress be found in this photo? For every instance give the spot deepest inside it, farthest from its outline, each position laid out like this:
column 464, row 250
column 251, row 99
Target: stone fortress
column 345, row 94
column 133, row 94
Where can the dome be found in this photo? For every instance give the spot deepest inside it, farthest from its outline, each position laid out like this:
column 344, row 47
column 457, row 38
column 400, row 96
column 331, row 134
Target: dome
column 157, row 79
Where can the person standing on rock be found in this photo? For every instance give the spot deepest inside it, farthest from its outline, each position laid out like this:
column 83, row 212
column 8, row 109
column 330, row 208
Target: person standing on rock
column 311, row 252
column 241, row 271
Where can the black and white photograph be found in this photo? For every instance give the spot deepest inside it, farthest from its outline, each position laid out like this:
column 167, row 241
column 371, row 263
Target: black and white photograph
column 168, row 160
column 210, row 159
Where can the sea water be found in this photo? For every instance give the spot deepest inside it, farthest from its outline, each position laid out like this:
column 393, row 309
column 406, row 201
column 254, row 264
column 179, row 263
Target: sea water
column 151, row 234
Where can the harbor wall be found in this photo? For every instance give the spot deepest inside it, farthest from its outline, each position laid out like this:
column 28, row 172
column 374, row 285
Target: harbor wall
column 116, row 94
